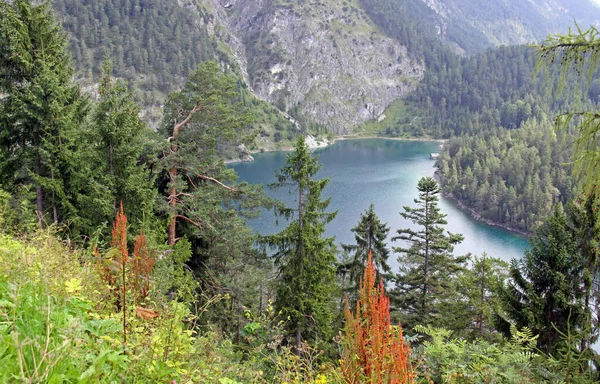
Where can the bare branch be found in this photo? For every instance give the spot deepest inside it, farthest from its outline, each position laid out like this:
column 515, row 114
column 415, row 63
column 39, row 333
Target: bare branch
column 190, row 180
column 185, row 218
column 208, row 178
column 191, row 114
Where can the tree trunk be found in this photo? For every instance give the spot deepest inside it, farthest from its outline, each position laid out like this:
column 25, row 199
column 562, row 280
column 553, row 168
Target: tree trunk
column 172, row 204
column 54, row 210
column 39, row 192
column 426, row 261
column 298, row 339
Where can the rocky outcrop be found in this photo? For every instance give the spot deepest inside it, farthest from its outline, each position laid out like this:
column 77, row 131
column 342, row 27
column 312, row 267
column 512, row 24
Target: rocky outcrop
column 320, row 60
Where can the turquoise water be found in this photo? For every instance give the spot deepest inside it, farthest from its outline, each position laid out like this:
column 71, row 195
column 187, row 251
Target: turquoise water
column 385, row 173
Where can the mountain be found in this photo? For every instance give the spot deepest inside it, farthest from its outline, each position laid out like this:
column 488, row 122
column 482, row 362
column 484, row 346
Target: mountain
column 321, row 60
column 325, row 65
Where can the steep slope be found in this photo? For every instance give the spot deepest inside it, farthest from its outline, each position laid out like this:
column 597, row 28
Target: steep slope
column 321, row 61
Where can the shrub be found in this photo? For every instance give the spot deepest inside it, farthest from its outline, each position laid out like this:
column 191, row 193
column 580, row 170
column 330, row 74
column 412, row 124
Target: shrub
column 373, row 350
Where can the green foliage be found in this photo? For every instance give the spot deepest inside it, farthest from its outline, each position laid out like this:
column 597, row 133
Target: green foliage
column 276, row 131
column 120, row 148
column 370, row 235
column 153, row 44
column 55, row 327
column 481, row 284
column 305, row 258
column 584, row 223
column 578, row 54
column 202, row 200
column 16, row 211
column 198, row 119
column 428, row 265
column 511, row 177
column 543, row 292
column 457, row 361
column 41, row 111
column 46, row 339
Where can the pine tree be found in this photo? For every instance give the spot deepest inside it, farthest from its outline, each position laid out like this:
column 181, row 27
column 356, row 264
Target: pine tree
column 120, row 144
column 197, row 120
column 480, row 284
column 40, row 109
column 370, row 235
column 577, row 52
column 543, row 291
column 427, row 265
column 304, row 258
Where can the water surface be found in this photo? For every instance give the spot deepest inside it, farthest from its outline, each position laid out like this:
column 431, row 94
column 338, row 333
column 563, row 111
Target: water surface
column 385, row 173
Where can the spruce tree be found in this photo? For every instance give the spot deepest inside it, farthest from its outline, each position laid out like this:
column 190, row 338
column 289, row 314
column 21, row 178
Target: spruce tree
column 543, row 291
column 584, row 222
column 120, row 144
column 480, row 285
column 370, row 235
column 40, row 109
column 427, row 263
column 305, row 259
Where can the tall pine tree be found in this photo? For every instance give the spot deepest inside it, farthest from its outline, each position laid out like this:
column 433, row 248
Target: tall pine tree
column 198, row 120
column 427, row 262
column 120, row 145
column 584, row 222
column 305, row 259
column 40, row 109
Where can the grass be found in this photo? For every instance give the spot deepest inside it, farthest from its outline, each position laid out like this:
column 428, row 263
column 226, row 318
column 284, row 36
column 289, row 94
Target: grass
column 395, row 113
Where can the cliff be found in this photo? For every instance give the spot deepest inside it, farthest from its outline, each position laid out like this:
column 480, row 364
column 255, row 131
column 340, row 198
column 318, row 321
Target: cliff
column 321, row 61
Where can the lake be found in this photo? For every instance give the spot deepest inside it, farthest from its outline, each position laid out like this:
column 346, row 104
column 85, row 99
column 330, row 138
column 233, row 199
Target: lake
column 385, row 173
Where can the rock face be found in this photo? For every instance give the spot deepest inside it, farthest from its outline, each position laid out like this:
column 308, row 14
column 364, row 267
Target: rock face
column 320, row 60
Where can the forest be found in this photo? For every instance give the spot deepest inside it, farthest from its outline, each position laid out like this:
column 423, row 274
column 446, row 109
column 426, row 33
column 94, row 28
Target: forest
column 498, row 112
column 125, row 253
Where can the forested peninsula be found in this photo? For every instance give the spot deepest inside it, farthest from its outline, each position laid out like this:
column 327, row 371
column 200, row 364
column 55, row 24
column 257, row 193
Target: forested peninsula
column 126, row 255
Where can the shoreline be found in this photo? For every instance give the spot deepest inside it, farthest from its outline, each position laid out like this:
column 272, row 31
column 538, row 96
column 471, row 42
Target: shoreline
column 314, row 144
column 340, row 138
column 477, row 216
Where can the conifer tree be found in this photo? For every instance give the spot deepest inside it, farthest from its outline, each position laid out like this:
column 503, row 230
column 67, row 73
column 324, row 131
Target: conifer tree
column 203, row 201
column 119, row 144
column 198, row 120
column 370, row 235
column 577, row 52
column 40, row 109
column 543, row 291
column 480, row 285
column 584, row 223
column 427, row 263
column 305, row 259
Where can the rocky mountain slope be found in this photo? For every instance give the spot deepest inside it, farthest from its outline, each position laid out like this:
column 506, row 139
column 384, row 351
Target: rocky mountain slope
column 330, row 64
column 323, row 61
